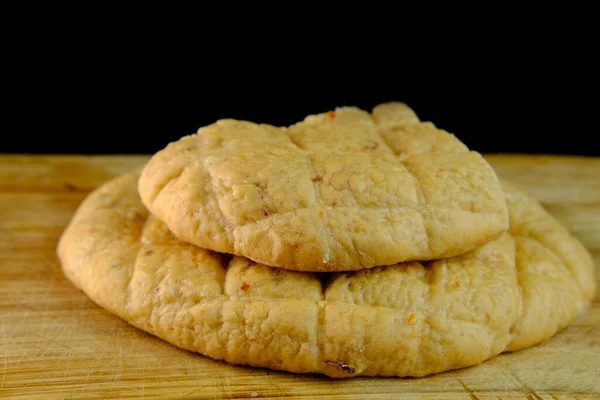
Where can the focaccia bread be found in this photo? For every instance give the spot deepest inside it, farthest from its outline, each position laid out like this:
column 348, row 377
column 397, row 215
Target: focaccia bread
column 409, row 319
column 340, row 191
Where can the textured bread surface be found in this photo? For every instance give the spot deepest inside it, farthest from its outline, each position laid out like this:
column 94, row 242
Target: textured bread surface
column 409, row 319
column 338, row 191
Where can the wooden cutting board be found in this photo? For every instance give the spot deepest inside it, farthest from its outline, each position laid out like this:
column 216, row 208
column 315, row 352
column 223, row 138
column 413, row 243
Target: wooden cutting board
column 57, row 344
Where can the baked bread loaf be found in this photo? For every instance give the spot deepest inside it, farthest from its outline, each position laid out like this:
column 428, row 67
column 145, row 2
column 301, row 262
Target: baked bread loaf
column 409, row 319
column 340, row 191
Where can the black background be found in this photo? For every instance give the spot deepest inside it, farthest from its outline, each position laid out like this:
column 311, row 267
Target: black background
column 129, row 98
column 141, row 118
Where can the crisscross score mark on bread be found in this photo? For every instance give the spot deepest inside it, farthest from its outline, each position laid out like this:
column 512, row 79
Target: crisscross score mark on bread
column 410, row 319
column 339, row 191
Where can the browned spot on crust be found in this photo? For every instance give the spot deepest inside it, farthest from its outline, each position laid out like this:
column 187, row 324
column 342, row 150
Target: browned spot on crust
column 321, row 214
column 412, row 319
column 265, row 212
column 138, row 219
column 334, row 204
column 149, row 252
column 456, row 284
column 245, row 287
column 70, row 187
column 253, row 340
column 344, row 367
column 472, row 207
column 317, row 179
column 331, row 115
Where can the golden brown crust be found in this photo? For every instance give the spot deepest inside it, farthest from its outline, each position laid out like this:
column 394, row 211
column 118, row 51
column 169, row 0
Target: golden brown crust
column 339, row 191
column 410, row 319
column 555, row 271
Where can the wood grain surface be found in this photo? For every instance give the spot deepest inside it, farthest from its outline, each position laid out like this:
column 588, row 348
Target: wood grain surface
column 57, row 344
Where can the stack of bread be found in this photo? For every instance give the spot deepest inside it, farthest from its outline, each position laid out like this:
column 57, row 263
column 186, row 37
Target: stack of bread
column 350, row 243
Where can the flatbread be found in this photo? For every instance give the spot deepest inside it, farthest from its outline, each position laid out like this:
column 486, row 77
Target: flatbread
column 409, row 319
column 339, row 191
